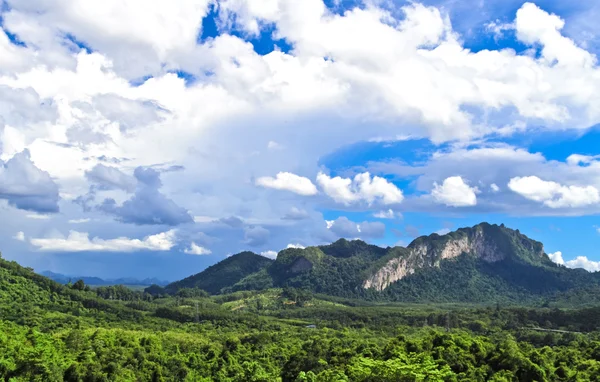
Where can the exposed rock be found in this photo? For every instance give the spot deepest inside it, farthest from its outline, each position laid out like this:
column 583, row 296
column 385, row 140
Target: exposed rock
column 301, row 264
column 480, row 241
column 393, row 270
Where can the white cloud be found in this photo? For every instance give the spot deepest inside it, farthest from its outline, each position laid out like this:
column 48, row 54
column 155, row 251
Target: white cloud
column 577, row 159
column 579, row 262
column 443, row 231
column 269, row 254
column 389, row 214
column 498, row 28
column 554, row 195
column 80, row 242
column 557, row 257
column 288, row 182
column 362, row 188
column 154, row 30
column 195, row 249
column 494, row 187
column 340, row 84
column 585, row 263
column 38, row 216
column 79, row 221
column 204, row 219
column 20, row 236
column 455, row 192
column 298, row 246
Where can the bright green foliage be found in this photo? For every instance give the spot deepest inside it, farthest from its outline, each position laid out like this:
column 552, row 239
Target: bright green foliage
column 223, row 274
column 51, row 332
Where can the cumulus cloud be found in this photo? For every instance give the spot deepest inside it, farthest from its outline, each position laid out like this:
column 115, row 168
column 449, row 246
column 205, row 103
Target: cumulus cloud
column 269, row 254
column 554, row 195
column 20, row 236
column 288, row 182
column 94, row 82
column 579, row 262
column 362, row 188
column 455, row 192
column 344, row 227
column 557, row 257
column 141, row 36
column 27, row 187
column 148, row 205
column 80, row 242
column 297, row 246
column 195, row 249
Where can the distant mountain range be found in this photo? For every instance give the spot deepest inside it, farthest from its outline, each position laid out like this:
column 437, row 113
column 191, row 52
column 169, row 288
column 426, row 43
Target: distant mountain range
column 484, row 263
column 96, row 281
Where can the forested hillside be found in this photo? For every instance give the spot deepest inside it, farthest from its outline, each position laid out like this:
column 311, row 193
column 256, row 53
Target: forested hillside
column 53, row 332
column 225, row 273
column 481, row 264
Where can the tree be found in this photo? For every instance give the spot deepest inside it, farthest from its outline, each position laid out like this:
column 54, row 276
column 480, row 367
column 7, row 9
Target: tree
column 79, row 285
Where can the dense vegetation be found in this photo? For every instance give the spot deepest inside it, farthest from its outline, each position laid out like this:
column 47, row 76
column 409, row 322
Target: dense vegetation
column 294, row 326
column 52, row 332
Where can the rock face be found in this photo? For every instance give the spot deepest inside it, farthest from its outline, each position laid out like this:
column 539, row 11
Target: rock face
column 488, row 243
column 392, row 271
column 301, row 264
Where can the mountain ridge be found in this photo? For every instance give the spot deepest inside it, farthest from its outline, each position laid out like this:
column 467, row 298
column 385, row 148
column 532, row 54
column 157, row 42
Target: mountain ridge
column 97, row 281
column 479, row 263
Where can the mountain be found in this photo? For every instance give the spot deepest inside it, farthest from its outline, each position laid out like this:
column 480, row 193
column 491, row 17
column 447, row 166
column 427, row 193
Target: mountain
column 225, row 273
column 96, row 281
column 482, row 263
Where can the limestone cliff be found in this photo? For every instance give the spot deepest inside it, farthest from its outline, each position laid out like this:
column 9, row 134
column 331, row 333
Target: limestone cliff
column 490, row 243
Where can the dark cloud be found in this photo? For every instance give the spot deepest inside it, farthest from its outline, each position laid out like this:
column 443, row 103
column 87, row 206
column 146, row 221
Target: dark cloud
column 87, row 201
column 232, row 221
column 105, row 158
column 27, row 187
column 148, row 205
column 110, row 178
column 256, row 236
column 148, row 176
column 295, row 214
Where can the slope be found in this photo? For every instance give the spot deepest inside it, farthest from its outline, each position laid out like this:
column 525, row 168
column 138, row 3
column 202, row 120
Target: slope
column 223, row 274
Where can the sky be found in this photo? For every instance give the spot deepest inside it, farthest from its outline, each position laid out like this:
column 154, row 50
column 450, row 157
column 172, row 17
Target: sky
column 155, row 138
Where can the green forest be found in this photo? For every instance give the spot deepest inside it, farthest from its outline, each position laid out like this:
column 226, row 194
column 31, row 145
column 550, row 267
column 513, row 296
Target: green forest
column 54, row 332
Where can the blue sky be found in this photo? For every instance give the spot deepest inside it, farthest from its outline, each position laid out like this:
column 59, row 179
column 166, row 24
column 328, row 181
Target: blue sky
column 156, row 140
